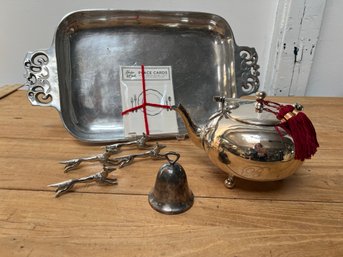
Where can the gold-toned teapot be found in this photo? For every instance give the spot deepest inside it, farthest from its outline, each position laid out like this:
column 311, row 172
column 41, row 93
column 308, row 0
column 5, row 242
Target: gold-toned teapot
column 242, row 141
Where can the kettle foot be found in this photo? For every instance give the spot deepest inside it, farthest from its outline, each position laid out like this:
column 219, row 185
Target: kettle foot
column 230, row 182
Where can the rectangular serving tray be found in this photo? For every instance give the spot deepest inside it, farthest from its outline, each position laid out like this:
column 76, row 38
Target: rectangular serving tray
column 79, row 74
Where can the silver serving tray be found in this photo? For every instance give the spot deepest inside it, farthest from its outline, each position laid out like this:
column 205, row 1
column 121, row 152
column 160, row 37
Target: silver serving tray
column 79, row 74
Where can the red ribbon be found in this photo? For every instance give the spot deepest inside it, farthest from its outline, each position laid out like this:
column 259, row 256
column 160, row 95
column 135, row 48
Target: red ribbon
column 145, row 104
column 297, row 125
column 146, row 123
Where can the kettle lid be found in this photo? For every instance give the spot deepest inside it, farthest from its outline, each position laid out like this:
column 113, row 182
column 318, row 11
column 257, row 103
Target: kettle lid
column 244, row 111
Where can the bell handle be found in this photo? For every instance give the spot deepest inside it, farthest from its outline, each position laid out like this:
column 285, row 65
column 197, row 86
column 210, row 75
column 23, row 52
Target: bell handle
column 171, row 161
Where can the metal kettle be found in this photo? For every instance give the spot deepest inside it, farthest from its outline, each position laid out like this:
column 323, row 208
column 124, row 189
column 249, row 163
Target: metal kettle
column 242, row 142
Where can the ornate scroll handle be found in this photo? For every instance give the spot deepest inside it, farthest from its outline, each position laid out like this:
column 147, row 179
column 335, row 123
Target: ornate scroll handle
column 246, row 69
column 41, row 78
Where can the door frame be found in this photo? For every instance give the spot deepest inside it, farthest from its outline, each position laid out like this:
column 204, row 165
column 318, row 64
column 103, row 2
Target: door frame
column 295, row 36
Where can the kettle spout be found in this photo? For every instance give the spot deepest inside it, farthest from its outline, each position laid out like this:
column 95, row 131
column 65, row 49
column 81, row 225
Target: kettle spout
column 193, row 130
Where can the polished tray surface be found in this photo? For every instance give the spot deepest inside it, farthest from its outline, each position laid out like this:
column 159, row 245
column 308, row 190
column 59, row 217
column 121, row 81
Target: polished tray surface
column 79, row 74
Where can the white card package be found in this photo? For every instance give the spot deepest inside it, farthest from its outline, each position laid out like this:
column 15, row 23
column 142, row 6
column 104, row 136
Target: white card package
column 147, row 111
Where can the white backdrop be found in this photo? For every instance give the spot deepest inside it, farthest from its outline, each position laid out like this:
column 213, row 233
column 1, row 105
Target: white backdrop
column 30, row 25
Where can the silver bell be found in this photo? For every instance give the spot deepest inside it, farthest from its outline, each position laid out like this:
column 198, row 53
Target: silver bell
column 171, row 194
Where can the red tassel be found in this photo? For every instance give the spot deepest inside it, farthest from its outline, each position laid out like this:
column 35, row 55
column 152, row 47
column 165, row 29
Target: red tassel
column 299, row 126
